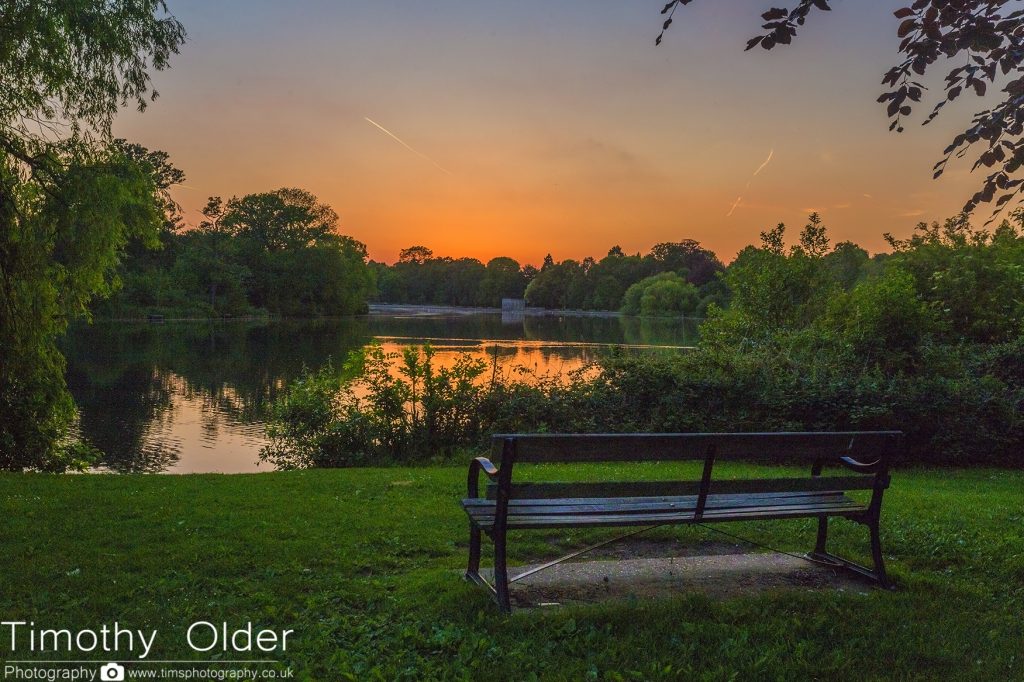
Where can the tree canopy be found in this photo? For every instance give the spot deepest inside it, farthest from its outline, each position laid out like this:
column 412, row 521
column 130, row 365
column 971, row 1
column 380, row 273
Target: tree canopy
column 72, row 64
column 70, row 198
column 276, row 253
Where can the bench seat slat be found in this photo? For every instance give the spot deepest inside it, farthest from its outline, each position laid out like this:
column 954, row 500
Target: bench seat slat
column 556, row 501
column 601, row 520
column 584, row 513
column 580, row 507
column 640, row 504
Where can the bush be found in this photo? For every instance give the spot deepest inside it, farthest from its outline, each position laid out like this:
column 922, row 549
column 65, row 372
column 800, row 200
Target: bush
column 666, row 294
column 386, row 407
column 402, row 409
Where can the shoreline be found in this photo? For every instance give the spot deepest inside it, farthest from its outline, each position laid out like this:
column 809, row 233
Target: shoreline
column 414, row 309
column 402, row 309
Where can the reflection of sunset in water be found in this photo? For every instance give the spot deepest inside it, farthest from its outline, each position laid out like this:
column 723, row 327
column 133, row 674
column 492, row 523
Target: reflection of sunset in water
column 504, row 358
column 190, row 397
column 199, row 432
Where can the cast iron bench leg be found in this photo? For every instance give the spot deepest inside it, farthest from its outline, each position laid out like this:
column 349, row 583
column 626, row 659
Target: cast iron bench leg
column 501, row 574
column 473, row 570
column 819, row 546
column 876, row 555
column 822, row 554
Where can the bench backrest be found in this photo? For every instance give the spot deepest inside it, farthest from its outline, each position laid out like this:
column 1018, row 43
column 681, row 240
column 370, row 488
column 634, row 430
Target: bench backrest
column 867, row 453
column 643, row 447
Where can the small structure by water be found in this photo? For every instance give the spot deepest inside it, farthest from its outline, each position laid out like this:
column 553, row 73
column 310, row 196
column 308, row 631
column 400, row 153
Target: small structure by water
column 513, row 305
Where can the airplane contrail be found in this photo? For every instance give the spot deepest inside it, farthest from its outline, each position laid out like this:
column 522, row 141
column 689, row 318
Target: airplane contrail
column 402, row 142
column 734, row 205
column 771, row 153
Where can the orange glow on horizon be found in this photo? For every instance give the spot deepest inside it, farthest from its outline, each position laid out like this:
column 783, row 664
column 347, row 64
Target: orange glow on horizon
column 536, row 129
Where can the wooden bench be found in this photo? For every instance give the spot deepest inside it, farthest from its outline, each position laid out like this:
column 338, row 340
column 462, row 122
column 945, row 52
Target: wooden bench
column 511, row 505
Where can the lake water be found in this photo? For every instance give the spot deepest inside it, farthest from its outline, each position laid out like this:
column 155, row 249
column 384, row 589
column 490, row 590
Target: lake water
column 184, row 397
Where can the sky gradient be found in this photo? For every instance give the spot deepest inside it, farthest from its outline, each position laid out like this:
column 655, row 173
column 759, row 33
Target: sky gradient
column 536, row 127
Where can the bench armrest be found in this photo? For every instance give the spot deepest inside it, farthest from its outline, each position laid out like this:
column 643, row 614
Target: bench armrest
column 861, row 467
column 473, row 479
column 482, row 463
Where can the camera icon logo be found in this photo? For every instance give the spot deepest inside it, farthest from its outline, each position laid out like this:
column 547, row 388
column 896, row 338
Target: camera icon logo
column 113, row 672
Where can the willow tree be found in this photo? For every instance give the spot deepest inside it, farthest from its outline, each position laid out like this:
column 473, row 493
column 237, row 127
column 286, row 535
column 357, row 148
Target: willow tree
column 70, row 199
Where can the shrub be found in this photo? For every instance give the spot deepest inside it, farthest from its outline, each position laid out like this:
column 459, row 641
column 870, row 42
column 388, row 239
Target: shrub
column 402, row 409
column 666, row 294
column 386, row 407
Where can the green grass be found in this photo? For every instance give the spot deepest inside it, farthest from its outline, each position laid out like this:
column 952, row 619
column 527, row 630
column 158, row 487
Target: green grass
column 361, row 564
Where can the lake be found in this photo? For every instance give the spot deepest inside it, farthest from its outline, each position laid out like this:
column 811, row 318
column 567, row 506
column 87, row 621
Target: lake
column 189, row 396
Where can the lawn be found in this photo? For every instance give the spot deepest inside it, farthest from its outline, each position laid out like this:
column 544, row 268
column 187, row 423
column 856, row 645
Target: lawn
column 362, row 563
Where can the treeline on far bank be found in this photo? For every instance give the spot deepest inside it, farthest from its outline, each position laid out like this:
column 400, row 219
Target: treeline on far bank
column 678, row 278
column 674, row 278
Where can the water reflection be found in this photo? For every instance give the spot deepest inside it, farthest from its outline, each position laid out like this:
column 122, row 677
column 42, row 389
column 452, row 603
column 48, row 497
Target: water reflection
column 190, row 396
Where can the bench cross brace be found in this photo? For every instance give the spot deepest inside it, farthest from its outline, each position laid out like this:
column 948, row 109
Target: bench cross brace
column 573, row 555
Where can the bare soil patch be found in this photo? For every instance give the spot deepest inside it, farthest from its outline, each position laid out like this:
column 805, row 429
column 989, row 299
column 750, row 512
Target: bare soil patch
column 645, row 569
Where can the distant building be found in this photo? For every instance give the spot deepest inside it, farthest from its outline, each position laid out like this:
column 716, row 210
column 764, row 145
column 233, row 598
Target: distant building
column 513, row 305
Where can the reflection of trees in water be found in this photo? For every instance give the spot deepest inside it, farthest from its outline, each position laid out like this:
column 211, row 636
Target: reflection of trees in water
column 500, row 327
column 242, row 367
column 573, row 329
column 126, row 376
column 129, row 378
column 660, row 331
column 614, row 330
column 117, row 410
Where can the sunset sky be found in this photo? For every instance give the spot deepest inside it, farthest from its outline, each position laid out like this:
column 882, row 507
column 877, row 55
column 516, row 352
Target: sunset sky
column 535, row 127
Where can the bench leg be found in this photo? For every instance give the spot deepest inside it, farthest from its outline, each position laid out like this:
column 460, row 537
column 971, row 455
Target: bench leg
column 473, row 569
column 501, row 574
column 499, row 590
column 819, row 546
column 877, row 573
column 876, row 555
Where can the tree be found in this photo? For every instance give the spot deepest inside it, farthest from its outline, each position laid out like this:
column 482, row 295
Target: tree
column 774, row 290
column 415, row 254
column 666, row 294
column 145, row 273
column 283, row 219
column 502, row 279
column 69, row 199
column 458, row 280
column 555, row 285
column 609, row 278
column 289, row 254
column 981, row 38
column 688, row 256
column 881, row 322
column 165, row 175
column 328, row 278
column 847, row 263
column 971, row 279
column 209, row 264
column 213, row 214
